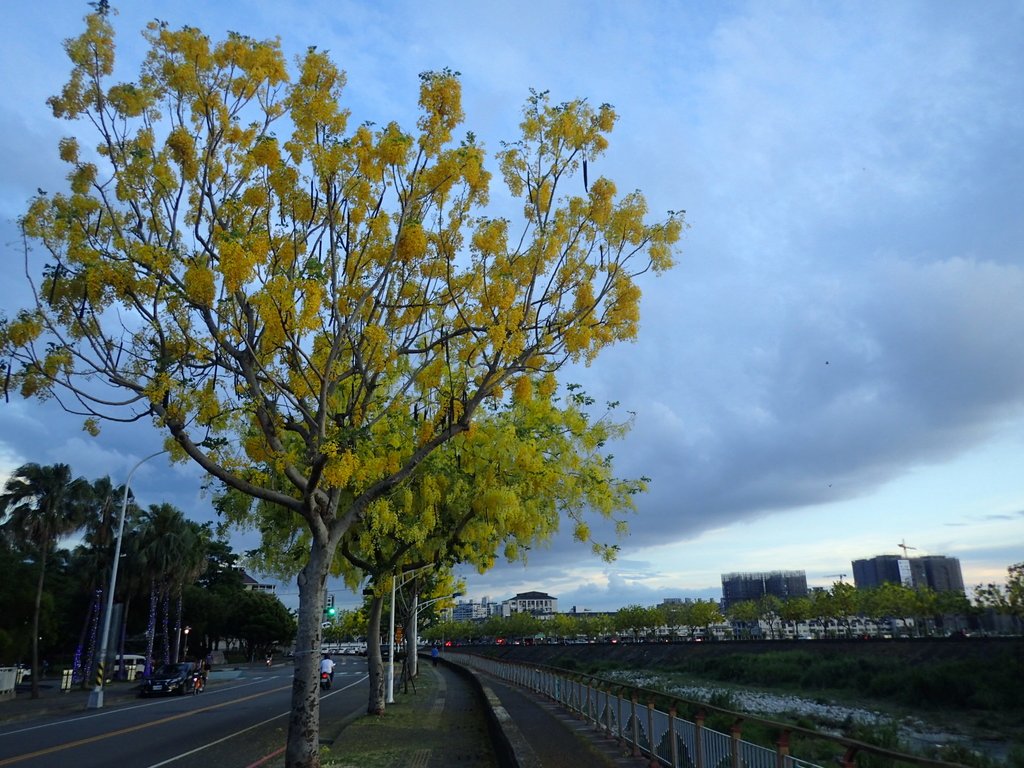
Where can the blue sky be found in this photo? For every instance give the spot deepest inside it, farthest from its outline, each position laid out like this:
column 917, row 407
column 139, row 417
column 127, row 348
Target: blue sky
column 836, row 364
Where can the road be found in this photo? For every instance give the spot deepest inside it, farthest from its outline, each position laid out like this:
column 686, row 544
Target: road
column 234, row 723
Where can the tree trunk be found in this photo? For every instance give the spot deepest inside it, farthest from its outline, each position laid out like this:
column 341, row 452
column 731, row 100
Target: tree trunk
column 303, row 745
column 177, row 631
column 374, row 662
column 122, row 632
column 86, row 667
column 412, row 640
column 92, row 656
column 43, row 552
column 165, row 611
column 151, row 628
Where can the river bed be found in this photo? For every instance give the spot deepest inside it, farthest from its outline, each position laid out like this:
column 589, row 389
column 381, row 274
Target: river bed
column 915, row 735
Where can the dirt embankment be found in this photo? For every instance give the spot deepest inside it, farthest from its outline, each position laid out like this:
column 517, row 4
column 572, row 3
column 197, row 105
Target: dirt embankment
column 661, row 655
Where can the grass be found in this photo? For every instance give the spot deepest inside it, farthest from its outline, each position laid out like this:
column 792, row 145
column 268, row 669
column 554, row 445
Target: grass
column 401, row 737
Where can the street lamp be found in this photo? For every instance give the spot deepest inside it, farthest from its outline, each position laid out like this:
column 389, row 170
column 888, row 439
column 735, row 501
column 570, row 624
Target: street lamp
column 391, row 628
column 413, row 665
column 185, row 654
column 96, row 695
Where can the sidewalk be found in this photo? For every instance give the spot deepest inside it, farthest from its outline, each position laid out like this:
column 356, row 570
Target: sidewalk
column 556, row 738
column 458, row 716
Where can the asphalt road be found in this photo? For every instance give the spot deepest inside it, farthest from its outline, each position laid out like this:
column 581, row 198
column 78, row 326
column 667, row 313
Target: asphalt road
column 234, row 723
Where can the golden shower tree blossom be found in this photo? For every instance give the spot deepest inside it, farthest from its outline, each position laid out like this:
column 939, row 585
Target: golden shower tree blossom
column 287, row 298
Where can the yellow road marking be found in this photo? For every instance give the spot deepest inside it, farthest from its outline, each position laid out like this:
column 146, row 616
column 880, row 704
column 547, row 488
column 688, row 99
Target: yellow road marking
column 130, row 729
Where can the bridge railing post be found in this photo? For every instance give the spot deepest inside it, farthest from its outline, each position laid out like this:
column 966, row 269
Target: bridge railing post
column 782, row 750
column 698, row 729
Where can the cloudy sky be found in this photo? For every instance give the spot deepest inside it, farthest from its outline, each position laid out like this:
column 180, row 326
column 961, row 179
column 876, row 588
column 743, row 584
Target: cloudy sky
column 836, row 364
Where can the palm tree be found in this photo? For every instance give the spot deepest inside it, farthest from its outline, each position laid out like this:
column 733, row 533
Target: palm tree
column 166, row 547
column 191, row 567
column 41, row 505
column 95, row 559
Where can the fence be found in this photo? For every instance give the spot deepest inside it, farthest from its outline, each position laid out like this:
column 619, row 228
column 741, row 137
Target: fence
column 631, row 715
column 9, row 678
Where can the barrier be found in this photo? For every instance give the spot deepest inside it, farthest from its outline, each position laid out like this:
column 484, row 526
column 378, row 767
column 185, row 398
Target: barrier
column 8, row 679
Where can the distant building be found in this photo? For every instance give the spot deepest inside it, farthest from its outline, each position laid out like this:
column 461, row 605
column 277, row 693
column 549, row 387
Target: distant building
column 668, row 601
column 468, row 610
column 937, row 572
column 537, row 603
column 871, row 572
column 943, row 574
column 737, row 587
column 251, row 585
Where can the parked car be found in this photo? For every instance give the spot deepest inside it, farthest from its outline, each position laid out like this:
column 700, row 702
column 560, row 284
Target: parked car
column 170, row 678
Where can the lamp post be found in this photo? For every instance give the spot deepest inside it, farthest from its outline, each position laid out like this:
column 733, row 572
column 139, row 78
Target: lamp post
column 185, row 654
column 416, row 618
column 391, row 628
column 96, row 695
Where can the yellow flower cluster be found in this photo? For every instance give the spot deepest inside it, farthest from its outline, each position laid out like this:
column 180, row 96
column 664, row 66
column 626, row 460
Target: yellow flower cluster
column 491, row 237
column 24, row 330
column 199, row 285
column 69, row 149
column 412, row 243
column 340, row 469
column 441, row 102
column 182, row 148
column 313, row 295
column 266, row 153
column 393, row 147
column 235, row 265
column 314, row 103
column 602, row 197
column 522, row 391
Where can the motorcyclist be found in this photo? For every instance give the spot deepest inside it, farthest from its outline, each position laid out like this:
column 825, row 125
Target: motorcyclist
column 327, row 665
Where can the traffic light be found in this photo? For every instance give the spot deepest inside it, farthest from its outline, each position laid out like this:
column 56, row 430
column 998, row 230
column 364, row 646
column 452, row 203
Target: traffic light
column 330, row 611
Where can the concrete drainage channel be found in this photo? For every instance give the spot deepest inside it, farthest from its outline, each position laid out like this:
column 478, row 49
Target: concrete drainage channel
column 562, row 740
column 514, row 751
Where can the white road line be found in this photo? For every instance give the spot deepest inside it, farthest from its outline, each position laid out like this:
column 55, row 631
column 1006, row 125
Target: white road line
column 249, row 728
column 155, row 703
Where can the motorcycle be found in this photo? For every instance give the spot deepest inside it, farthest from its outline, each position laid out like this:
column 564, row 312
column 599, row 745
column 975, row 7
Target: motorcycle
column 198, row 682
column 325, row 681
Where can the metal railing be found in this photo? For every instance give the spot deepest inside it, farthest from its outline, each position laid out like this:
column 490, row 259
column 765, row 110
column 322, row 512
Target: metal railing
column 630, row 714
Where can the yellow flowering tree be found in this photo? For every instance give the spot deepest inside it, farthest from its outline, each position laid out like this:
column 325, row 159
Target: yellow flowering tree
column 288, row 298
column 498, row 489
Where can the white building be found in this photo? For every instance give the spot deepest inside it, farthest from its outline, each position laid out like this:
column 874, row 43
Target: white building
column 250, row 584
column 537, row 603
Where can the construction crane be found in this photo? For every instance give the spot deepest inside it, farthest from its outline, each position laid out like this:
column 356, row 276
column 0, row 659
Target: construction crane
column 839, row 576
column 904, row 546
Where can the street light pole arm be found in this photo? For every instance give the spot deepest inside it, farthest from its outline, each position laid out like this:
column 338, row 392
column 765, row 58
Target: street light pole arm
column 96, row 697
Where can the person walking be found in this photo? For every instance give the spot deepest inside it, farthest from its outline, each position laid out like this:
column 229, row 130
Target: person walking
column 434, row 653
